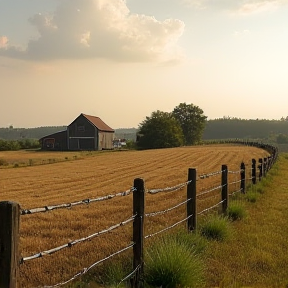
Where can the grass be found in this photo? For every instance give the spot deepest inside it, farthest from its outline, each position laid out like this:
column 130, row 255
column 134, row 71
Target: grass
column 215, row 227
column 256, row 255
column 236, row 211
column 94, row 176
column 170, row 264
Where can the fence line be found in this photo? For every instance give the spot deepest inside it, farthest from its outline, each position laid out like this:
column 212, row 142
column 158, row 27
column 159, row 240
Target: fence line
column 85, row 270
column 74, row 242
column 10, row 251
column 69, row 205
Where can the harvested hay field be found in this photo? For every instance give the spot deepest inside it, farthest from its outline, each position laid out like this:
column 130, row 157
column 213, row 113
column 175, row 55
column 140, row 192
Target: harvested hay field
column 99, row 174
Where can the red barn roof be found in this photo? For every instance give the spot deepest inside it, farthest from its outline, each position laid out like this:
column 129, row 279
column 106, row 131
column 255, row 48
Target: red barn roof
column 98, row 123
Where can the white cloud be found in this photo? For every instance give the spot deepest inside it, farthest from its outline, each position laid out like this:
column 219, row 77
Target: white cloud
column 237, row 7
column 103, row 29
column 3, row 42
column 255, row 7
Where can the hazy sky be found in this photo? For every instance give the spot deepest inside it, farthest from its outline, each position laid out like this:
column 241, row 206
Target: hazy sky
column 121, row 60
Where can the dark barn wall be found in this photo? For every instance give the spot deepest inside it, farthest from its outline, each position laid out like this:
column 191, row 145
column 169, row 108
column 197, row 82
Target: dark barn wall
column 82, row 135
column 56, row 141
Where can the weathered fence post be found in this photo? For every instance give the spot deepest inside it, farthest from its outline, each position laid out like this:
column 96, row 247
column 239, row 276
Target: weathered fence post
column 191, row 205
column 253, row 171
column 260, row 168
column 242, row 175
column 9, row 240
column 265, row 167
column 224, row 190
column 138, row 232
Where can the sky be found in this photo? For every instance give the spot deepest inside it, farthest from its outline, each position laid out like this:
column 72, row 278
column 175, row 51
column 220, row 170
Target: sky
column 121, row 60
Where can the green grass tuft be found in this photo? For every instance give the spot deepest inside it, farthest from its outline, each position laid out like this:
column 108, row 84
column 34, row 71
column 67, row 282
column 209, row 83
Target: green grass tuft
column 216, row 228
column 236, row 211
column 170, row 263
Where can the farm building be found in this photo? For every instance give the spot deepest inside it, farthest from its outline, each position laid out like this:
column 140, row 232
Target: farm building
column 84, row 133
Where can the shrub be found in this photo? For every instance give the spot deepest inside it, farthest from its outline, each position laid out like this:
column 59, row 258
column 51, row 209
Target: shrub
column 215, row 228
column 236, row 211
column 171, row 264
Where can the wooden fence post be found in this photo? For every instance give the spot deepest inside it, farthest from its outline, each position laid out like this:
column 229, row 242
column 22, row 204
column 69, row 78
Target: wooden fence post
column 242, row 175
column 224, row 190
column 191, row 205
column 265, row 167
column 253, row 171
column 260, row 168
column 9, row 241
column 138, row 232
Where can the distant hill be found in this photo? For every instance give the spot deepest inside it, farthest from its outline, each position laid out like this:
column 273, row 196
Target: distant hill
column 222, row 128
column 39, row 132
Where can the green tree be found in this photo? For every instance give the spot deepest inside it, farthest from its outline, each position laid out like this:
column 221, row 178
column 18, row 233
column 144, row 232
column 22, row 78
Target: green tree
column 192, row 121
column 160, row 130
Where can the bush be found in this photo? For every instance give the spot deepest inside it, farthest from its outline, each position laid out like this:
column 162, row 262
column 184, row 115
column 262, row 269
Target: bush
column 172, row 264
column 215, row 228
column 236, row 211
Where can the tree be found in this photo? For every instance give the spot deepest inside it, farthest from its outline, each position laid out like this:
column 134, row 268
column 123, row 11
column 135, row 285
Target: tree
column 160, row 130
column 192, row 121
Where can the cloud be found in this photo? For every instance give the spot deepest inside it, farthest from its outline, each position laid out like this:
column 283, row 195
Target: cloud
column 255, row 7
column 237, row 7
column 3, row 42
column 100, row 29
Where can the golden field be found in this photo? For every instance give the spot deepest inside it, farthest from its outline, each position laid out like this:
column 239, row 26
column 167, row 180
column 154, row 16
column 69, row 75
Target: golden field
column 73, row 176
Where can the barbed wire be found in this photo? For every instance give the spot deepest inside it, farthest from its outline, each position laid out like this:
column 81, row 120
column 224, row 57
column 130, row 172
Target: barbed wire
column 167, row 210
column 72, row 243
column 210, row 190
column 208, row 197
column 235, row 172
column 233, row 193
column 235, row 182
column 85, row 270
column 167, row 228
column 203, row 176
column 130, row 275
column 169, row 189
column 69, row 205
column 212, row 207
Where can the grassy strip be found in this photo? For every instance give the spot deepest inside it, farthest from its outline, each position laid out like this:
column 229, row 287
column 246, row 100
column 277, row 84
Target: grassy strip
column 257, row 253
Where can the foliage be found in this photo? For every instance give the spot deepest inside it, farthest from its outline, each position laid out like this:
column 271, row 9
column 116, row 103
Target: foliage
column 282, row 139
column 172, row 264
column 251, row 196
column 160, row 130
column 192, row 121
column 227, row 128
column 14, row 145
column 215, row 228
column 236, row 211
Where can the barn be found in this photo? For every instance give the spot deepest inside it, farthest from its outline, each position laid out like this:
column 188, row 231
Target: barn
column 86, row 132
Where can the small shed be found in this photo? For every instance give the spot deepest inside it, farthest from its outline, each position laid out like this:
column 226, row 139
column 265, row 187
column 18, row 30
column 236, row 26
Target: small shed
column 88, row 132
column 55, row 141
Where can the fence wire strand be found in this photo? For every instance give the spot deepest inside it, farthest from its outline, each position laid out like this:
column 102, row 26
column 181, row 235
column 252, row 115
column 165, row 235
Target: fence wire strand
column 204, row 176
column 69, row 205
column 210, row 190
column 167, row 210
column 169, row 189
column 72, row 243
column 130, row 275
column 167, row 228
column 212, row 207
column 85, row 270
column 235, row 192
